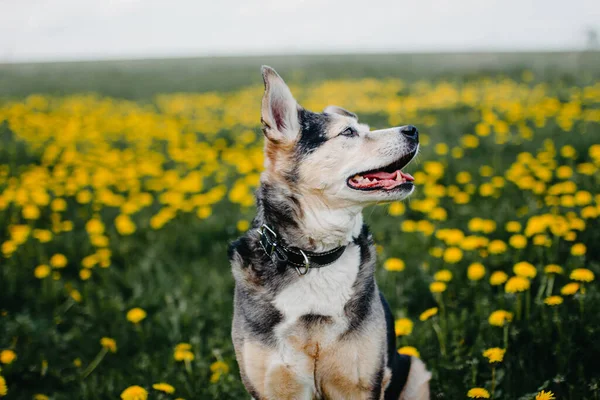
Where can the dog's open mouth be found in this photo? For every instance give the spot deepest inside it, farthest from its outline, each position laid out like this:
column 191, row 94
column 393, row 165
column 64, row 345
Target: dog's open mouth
column 387, row 178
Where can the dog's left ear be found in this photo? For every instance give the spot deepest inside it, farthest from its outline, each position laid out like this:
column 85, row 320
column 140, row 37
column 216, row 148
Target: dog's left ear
column 340, row 111
column 279, row 111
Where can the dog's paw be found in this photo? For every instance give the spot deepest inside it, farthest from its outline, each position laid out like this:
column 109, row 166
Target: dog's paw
column 417, row 384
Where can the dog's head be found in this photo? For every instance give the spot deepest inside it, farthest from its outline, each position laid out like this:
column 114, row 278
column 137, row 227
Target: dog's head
column 331, row 154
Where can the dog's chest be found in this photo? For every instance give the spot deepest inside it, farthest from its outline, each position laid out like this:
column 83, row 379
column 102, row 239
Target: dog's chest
column 320, row 295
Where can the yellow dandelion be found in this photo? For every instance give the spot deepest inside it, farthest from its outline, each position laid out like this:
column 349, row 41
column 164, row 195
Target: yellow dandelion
column 242, row 225
column 75, row 295
column 109, row 344
column 443, row 275
column 452, row 255
column 409, row 351
column 393, row 264
column 494, row 354
column 497, row 247
column 553, row 300
column 437, row 287
column 218, row 368
column 553, row 269
column 478, row 393
column 525, row 269
column 40, row 397
column 183, row 347
column 518, row 241
column 569, row 289
column 475, row 272
column 58, row 261
column 543, row 395
column 135, row 315
column 134, row 393
column 498, row 278
column 7, row 356
column 42, row 271
column 582, row 275
column 517, row 284
column 578, row 249
column 3, row 387
column 125, row 226
column 513, row 227
column 183, row 355
column 425, row 315
column 403, row 327
column 500, row 317
column 163, row 387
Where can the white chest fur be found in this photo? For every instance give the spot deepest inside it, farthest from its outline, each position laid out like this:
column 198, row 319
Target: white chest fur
column 322, row 291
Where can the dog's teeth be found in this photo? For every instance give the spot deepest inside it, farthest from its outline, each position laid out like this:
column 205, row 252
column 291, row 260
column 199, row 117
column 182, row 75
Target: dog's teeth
column 357, row 177
column 399, row 176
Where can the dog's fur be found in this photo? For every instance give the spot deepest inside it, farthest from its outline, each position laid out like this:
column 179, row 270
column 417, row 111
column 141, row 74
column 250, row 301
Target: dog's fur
column 327, row 334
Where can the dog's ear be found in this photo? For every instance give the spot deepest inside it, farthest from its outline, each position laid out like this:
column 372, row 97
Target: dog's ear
column 279, row 111
column 340, row 111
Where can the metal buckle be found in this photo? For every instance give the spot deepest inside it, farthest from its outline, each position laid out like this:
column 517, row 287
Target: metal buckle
column 306, row 264
column 271, row 240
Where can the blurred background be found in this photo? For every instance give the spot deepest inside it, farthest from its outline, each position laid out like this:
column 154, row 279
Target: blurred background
column 130, row 150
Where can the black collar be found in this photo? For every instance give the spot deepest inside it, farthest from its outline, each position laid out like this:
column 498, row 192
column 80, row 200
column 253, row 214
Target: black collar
column 299, row 259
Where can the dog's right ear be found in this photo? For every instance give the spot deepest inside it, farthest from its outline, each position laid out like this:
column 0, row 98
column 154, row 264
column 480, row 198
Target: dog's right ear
column 279, row 113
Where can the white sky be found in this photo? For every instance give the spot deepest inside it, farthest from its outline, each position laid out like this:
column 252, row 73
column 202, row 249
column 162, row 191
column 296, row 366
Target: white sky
column 91, row 29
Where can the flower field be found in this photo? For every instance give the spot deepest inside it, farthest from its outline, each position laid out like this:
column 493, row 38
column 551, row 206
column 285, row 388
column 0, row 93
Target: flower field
column 115, row 217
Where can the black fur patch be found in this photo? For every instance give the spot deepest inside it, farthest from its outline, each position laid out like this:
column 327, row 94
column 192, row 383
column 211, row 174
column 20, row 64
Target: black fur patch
column 359, row 306
column 313, row 129
column 309, row 320
column 260, row 316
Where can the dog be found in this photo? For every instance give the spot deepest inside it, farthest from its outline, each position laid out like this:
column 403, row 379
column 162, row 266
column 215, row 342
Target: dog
column 309, row 321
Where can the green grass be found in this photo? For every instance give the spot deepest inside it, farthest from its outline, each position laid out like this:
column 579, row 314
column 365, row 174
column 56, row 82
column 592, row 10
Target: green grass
column 181, row 277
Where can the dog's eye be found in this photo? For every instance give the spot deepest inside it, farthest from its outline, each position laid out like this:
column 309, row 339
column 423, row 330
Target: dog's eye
column 349, row 132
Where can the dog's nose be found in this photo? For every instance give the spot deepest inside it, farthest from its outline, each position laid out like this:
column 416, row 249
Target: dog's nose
column 410, row 131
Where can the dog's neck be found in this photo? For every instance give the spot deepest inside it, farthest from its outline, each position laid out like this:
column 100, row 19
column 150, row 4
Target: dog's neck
column 307, row 221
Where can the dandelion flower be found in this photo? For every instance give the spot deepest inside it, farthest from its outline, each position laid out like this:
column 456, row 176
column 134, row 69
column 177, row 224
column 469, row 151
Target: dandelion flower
column 7, row 356
column 134, row 393
column 513, row 226
column 543, row 395
column 109, row 344
column 475, row 272
column 553, row 269
column 517, row 284
column 497, row 247
column 437, row 287
column 494, row 354
column 135, row 315
column 40, row 397
column 478, row 393
column 578, row 249
column 582, row 275
column 163, row 387
column 41, row 271
column 58, row 261
column 218, row 368
column 553, row 300
column 452, row 255
column 569, row 289
column 525, row 270
column 425, row 315
column 403, row 327
column 443, row 275
column 183, row 355
column 500, row 317
column 409, row 351
column 393, row 264
column 3, row 388
column 518, row 241
column 498, row 278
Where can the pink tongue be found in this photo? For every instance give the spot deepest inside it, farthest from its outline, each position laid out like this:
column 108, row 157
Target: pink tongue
column 381, row 175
